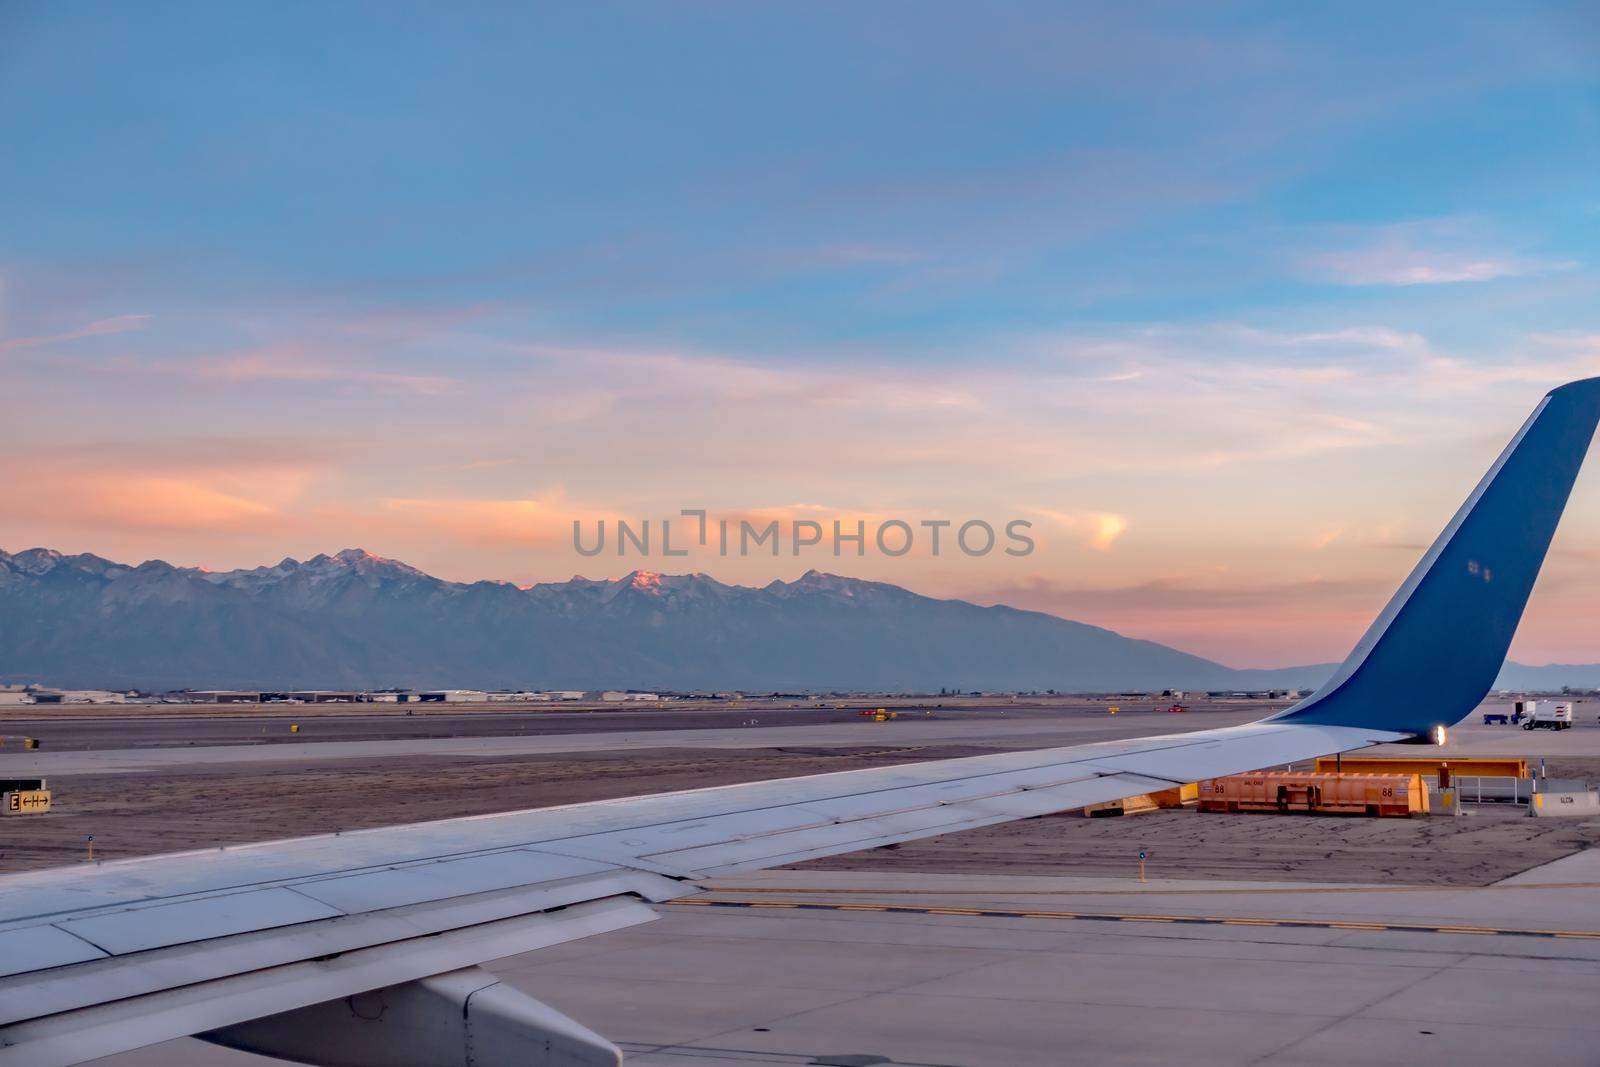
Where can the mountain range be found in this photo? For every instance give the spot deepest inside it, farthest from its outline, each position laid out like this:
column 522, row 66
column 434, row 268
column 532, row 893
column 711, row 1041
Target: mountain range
column 353, row 619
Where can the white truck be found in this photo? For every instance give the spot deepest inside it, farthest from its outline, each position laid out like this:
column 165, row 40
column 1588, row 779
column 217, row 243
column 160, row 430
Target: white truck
column 1541, row 716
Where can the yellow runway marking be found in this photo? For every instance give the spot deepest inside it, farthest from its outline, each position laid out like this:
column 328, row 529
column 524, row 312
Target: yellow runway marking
column 1250, row 891
column 1109, row 917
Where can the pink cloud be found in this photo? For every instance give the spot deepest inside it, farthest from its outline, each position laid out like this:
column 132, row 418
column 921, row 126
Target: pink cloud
column 114, row 502
column 1101, row 529
column 1431, row 252
column 292, row 365
column 99, row 328
column 196, row 486
column 535, row 522
column 1241, row 625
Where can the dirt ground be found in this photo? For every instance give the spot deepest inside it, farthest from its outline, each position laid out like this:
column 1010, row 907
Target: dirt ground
column 132, row 815
column 1431, row 850
column 135, row 815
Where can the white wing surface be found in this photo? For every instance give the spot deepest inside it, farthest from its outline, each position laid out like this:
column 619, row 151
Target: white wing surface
column 101, row 959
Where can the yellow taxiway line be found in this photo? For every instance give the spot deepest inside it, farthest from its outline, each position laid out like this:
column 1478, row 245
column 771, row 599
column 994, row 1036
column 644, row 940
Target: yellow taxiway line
column 1119, row 917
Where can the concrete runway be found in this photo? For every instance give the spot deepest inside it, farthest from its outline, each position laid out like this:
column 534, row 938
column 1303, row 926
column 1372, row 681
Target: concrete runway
column 1471, row 737
column 516, row 735
column 1026, row 729
column 710, row 986
column 131, row 727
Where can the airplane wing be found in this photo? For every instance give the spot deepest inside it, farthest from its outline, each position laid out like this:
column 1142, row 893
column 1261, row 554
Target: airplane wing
column 362, row 948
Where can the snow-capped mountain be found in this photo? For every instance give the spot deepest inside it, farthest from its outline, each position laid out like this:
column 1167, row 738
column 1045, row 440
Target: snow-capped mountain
column 356, row 619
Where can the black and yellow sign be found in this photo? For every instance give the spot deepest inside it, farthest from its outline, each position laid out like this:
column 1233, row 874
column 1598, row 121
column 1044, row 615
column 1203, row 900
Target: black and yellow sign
column 25, row 802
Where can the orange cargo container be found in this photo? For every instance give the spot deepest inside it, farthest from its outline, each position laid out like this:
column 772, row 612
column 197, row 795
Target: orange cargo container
column 1328, row 794
column 1165, row 798
column 1460, row 767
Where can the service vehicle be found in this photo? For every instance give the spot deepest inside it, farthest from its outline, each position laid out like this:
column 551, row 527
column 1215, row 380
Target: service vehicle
column 1548, row 717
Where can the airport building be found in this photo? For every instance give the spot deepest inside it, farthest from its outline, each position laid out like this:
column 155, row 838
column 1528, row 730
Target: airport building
column 93, row 696
column 223, row 696
column 13, row 695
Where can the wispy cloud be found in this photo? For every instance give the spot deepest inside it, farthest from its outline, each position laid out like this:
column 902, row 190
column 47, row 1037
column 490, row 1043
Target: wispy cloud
column 99, row 328
column 1399, row 265
column 113, row 503
column 849, row 254
column 176, row 487
column 1424, row 253
column 1313, row 620
column 652, row 373
column 1101, row 529
column 152, row 503
column 530, row 522
column 293, row 366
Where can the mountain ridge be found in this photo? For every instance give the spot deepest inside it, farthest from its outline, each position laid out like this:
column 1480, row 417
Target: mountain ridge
column 355, row 619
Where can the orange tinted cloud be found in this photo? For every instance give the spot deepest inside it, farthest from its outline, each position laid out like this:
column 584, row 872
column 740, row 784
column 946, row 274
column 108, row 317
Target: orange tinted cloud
column 543, row 522
column 192, row 486
column 296, row 366
column 1239, row 624
column 1099, row 528
column 138, row 502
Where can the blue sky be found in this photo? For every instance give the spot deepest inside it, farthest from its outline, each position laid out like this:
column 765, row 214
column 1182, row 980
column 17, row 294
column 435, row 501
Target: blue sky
column 278, row 278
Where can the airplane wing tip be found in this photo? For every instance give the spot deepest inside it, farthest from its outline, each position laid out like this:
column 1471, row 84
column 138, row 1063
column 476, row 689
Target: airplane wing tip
column 1579, row 385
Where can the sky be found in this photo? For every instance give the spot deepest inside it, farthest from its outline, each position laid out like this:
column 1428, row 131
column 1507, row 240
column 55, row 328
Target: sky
column 1233, row 303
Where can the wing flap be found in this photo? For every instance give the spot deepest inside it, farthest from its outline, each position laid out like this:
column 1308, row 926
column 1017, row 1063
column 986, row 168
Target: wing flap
column 1244, row 748
column 35, row 948
column 67, row 988
column 399, row 886
column 794, row 846
column 161, row 925
column 108, row 1027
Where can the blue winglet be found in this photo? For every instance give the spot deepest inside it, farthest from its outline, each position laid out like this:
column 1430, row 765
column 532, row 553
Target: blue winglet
column 1433, row 654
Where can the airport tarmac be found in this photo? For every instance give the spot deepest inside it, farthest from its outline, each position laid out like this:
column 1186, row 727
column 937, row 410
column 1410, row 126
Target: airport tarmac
column 818, row 972
column 126, row 739
column 95, row 728
column 1471, row 737
column 1259, row 939
column 997, row 727
column 139, row 801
